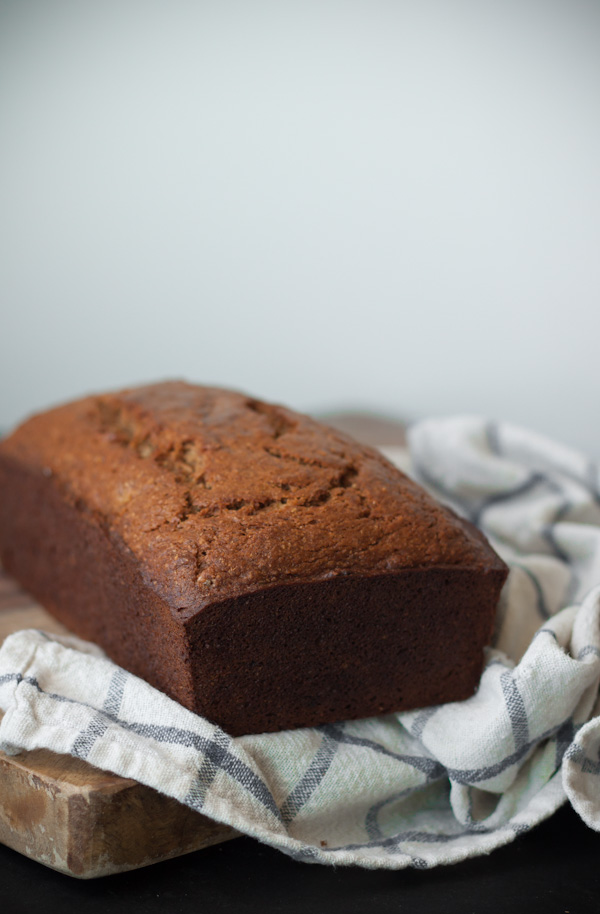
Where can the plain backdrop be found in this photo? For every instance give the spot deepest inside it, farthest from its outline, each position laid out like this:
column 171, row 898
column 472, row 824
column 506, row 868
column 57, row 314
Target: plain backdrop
column 332, row 204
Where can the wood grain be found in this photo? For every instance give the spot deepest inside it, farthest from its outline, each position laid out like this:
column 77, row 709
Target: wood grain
column 81, row 820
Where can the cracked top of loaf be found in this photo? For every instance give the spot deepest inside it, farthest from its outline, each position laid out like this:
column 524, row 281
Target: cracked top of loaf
column 216, row 493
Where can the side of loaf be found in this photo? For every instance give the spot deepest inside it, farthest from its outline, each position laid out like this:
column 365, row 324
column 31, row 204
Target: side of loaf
column 264, row 570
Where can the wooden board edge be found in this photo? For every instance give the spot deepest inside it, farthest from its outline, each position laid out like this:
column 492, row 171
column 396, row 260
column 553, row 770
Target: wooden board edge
column 88, row 832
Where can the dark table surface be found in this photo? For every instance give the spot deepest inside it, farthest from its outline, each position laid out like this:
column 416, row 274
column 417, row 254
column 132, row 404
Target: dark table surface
column 554, row 869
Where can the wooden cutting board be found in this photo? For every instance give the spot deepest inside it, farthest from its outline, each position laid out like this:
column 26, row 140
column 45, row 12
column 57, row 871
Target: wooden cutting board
column 78, row 819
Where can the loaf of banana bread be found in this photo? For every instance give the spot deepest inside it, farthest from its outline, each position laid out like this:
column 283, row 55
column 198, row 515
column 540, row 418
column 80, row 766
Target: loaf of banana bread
column 264, row 570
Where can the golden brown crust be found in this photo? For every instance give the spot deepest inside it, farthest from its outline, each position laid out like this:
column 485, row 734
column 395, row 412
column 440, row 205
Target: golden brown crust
column 233, row 494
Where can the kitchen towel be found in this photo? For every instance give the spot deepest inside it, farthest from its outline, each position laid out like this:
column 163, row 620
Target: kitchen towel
column 419, row 789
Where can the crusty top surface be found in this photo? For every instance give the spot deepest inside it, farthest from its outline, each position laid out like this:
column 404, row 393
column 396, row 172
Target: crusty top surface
column 216, row 493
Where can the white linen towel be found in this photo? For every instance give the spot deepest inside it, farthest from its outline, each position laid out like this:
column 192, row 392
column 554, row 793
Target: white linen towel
column 417, row 789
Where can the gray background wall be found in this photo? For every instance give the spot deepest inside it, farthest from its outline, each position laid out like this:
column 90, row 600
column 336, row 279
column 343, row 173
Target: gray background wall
column 381, row 204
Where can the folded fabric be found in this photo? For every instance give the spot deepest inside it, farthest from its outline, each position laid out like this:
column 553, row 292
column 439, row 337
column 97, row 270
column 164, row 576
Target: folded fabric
column 417, row 789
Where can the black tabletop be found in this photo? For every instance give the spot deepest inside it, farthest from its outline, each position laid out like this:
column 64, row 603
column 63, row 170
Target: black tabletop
column 554, row 869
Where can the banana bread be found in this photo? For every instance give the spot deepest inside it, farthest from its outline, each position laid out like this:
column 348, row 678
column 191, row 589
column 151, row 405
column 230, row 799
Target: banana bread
column 263, row 569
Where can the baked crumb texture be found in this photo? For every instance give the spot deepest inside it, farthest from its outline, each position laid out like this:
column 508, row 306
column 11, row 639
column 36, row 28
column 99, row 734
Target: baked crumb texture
column 261, row 568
